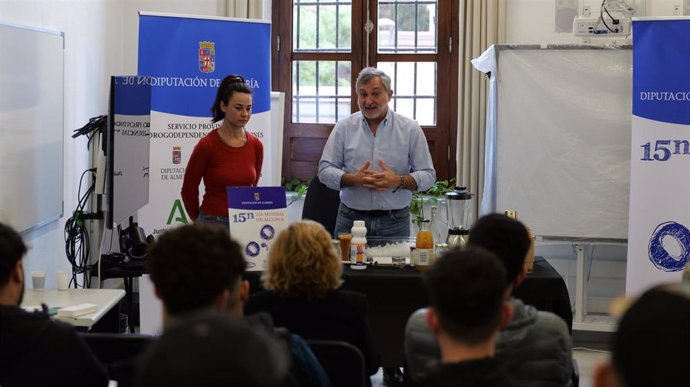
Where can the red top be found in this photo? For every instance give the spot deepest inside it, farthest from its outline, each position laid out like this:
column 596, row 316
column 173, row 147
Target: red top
column 221, row 166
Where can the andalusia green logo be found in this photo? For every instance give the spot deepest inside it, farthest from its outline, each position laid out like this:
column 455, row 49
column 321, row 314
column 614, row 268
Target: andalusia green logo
column 177, row 213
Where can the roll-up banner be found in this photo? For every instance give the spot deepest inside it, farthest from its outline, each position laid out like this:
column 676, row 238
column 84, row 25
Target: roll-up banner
column 186, row 58
column 128, row 153
column 659, row 220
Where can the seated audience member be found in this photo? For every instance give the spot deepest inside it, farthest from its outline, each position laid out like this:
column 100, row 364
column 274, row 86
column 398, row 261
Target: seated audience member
column 196, row 271
column 467, row 308
column 306, row 370
column 535, row 346
column 211, row 348
column 302, row 277
column 35, row 350
column 651, row 346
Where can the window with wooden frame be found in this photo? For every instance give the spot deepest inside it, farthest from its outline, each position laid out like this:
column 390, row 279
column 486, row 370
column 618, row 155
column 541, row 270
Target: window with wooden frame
column 319, row 47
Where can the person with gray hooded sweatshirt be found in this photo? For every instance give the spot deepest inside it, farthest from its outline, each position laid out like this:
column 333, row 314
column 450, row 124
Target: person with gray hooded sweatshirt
column 535, row 346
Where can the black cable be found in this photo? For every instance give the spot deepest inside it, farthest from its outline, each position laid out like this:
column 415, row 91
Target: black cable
column 77, row 247
column 77, row 243
column 601, row 16
column 95, row 123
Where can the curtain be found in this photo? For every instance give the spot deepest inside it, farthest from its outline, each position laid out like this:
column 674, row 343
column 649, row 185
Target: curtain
column 244, row 9
column 482, row 24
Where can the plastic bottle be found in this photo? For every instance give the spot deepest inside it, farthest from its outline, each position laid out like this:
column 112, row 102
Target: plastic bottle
column 424, row 245
column 358, row 246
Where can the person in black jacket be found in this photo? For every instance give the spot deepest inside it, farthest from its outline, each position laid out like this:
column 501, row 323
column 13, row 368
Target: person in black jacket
column 302, row 277
column 35, row 350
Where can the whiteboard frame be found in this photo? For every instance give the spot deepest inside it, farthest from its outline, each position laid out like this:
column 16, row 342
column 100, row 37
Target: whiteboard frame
column 34, row 197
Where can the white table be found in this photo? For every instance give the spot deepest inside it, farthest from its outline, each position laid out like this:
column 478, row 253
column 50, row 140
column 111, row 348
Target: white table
column 104, row 298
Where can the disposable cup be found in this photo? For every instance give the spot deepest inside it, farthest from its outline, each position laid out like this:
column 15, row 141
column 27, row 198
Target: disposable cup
column 38, row 279
column 62, row 277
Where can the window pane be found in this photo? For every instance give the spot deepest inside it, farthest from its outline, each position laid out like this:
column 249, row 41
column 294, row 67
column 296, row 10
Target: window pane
column 414, row 89
column 406, row 26
column 320, row 91
column 322, row 25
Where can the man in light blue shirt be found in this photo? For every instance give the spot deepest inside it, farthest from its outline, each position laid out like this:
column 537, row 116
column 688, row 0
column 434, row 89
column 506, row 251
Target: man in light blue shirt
column 376, row 158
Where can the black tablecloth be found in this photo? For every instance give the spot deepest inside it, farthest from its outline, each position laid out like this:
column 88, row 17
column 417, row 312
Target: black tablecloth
column 395, row 293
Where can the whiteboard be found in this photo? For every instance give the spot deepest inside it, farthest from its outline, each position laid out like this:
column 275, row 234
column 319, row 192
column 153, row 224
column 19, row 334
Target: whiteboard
column 563, row 139
column 31, row 126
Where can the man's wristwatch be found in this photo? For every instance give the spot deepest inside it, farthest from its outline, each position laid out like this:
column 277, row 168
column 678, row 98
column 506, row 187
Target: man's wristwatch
column 402, row 184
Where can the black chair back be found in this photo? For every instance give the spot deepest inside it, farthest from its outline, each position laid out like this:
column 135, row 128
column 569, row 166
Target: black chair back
column 118, row 352
column 321, row 204
column 342, row 361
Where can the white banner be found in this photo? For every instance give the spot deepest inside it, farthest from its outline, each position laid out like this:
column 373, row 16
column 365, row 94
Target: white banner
column 185, row 72
column 659, row 238
column 256, row 215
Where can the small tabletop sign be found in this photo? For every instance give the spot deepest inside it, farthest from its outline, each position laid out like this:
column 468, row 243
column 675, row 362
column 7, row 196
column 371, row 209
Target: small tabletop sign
column 257, row 215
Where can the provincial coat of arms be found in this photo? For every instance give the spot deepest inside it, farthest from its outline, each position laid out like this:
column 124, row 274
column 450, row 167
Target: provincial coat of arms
column 207, row 57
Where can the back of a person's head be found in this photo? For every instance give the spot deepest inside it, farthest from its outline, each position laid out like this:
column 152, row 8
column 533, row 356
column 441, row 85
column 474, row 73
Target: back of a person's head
column 505, row 237
column 213, row 349
column 192, row 264
column 303, row 262
column 12, row 249
column 466, row 290
column 651, row 346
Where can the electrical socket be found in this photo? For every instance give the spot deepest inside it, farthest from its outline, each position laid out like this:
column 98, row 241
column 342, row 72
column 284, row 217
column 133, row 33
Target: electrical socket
column 586, row 11
column 676, row 10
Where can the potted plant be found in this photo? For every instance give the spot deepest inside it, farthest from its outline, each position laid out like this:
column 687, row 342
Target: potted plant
column 296, row 186
column 430, row 197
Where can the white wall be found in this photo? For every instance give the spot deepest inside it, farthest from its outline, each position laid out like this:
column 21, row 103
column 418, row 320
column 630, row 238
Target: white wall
column 100, row 41
column 532, row 22
column 101, row 38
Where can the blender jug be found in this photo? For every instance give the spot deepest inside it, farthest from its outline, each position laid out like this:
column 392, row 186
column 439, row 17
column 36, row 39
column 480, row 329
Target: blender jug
column 459, row 207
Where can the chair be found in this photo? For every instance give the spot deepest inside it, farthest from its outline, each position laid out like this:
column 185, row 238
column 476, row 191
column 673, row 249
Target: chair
column 342, row 361
column 118, row 353
column 575, row 379
column 321, row 204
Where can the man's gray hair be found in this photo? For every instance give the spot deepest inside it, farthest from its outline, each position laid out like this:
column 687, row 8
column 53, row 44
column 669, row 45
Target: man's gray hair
column 369, row 73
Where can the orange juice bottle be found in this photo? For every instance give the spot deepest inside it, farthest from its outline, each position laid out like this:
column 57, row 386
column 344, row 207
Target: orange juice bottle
column 425, row 244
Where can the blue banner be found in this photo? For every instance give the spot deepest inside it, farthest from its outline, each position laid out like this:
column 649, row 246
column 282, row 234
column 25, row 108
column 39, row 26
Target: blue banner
column 661, row 86
column 256, row 198
column 190, row 56
column 132, row 96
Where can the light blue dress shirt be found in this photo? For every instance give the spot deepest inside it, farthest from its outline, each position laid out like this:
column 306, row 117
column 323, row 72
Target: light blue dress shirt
column 399, row 142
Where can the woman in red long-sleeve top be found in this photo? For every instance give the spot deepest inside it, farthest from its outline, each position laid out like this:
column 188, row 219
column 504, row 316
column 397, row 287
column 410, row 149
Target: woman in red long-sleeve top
column 227, row 156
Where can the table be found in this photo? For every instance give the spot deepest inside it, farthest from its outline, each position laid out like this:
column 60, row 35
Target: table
column 394, row 293
column 106, row 299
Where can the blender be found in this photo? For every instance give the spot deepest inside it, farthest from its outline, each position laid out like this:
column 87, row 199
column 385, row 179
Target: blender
column 459, row 207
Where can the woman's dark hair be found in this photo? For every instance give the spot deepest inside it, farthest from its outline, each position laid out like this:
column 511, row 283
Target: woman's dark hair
column 231, row 84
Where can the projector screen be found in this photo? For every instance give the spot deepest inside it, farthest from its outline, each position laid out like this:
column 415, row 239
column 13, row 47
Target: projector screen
column 563, row 139
column 31, row 126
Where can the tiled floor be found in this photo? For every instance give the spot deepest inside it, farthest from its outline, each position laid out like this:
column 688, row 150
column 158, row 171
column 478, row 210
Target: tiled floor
column 587, row 360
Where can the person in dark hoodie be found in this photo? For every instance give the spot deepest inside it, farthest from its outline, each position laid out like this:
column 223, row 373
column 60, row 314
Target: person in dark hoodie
column 535, row 346
column 35, row 350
